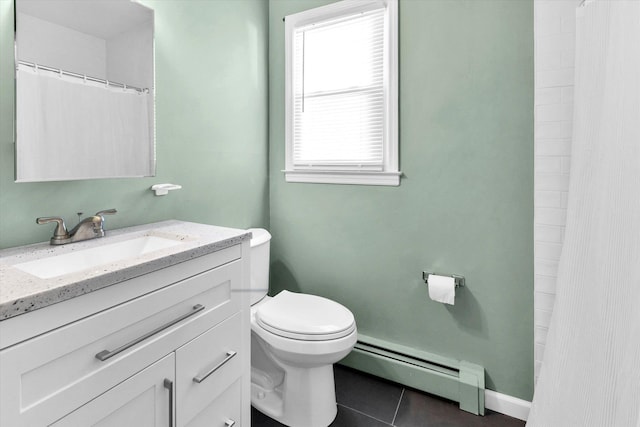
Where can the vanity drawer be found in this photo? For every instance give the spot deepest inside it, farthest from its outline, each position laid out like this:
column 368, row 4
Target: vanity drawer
column 55, row 373
column 205, row 368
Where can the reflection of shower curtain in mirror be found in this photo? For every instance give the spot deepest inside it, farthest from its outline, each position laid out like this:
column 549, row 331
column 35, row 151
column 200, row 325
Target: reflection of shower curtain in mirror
column 93, row 131
column 591, row 370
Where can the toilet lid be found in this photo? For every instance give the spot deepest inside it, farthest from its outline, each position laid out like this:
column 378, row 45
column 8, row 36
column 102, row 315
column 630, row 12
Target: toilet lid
column 305, row 317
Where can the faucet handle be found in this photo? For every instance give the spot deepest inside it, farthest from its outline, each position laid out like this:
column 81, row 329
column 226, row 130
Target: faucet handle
column 60, row 231
column 100, row 215
column 107, row 212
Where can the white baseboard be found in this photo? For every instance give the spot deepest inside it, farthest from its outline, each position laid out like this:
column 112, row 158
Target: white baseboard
column 508, row 405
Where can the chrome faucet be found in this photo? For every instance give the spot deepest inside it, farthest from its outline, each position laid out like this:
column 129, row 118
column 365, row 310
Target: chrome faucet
column 91, row 227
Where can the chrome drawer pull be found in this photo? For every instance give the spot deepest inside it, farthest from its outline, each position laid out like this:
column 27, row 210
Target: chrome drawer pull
column 229, row 423
column 198, row 379
column 168, row 384
column 106, row 354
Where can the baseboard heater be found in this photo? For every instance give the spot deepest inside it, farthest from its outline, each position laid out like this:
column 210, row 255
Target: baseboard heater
column 452, row 379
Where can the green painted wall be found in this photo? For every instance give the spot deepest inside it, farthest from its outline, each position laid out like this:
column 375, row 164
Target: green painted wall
column 211, row 113
column 465, row 204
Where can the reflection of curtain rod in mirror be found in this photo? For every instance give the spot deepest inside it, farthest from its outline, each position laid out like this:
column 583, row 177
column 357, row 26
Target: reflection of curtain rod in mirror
column 81, row 76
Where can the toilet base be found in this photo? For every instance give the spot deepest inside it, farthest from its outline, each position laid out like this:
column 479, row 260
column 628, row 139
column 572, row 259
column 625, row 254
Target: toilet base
column 306, row 398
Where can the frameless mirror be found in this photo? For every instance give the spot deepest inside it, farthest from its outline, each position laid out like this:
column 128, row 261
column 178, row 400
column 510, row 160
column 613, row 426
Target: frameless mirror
column 84, row 90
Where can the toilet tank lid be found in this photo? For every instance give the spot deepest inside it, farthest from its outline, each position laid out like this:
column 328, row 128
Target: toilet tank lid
column 260, row 236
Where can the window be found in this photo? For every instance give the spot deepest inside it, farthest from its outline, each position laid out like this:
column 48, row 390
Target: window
column 341, row 94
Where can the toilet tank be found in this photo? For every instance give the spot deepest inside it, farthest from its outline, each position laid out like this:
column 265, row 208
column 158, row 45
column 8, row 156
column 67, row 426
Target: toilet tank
column 260, row 244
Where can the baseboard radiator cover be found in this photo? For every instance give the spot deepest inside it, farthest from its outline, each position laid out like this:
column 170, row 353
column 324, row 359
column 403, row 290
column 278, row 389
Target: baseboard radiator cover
column 452, row 379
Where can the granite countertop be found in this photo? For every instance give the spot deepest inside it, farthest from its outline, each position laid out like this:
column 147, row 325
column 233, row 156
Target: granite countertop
column 21, row 292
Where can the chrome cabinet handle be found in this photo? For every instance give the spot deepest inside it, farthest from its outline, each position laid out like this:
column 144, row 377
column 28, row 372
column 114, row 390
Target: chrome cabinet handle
column 106, row 354
column 168, row 384
column 229, row 423
column 199, row 378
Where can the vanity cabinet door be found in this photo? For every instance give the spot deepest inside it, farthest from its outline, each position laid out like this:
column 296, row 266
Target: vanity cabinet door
column 144, row 400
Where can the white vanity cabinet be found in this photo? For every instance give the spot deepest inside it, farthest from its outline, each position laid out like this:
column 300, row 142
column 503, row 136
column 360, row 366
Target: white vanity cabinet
column 168, row 348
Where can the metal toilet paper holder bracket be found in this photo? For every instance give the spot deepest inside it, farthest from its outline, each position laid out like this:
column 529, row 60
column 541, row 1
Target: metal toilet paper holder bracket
column 457, row 279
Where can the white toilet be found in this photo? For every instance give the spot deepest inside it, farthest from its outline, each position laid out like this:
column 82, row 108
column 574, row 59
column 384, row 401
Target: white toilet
column 295, row 340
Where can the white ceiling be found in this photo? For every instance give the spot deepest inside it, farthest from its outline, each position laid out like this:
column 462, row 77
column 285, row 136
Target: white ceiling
column 101, row 18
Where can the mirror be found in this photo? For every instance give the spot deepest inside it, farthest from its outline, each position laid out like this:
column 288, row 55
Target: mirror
column 84, row 90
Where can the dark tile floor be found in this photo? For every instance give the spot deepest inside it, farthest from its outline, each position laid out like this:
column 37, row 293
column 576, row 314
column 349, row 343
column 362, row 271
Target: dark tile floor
column 367, row 401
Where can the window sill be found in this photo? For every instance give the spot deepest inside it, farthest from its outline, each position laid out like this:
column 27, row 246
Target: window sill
column 339, row 177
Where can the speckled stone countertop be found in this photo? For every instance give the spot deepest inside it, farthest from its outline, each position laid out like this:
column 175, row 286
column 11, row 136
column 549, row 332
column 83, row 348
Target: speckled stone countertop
column 21, row 292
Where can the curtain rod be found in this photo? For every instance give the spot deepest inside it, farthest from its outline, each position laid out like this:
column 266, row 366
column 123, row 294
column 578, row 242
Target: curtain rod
column 82, row 76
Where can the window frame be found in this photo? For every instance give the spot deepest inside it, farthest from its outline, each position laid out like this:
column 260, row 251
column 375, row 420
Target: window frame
column 390, row 175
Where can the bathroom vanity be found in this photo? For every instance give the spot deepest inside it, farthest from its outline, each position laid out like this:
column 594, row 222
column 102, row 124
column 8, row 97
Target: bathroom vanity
column 156, row 333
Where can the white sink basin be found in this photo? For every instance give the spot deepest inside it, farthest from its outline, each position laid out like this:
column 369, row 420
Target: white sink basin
column 83, row 259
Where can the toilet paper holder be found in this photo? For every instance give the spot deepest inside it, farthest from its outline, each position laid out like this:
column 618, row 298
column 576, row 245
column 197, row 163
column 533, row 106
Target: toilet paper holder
column 457, row 279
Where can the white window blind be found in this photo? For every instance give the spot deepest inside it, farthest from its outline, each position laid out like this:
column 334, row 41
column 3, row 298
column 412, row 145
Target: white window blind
column 339, row 93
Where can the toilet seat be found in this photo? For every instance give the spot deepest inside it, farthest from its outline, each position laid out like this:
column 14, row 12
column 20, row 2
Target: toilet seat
column 305, row 317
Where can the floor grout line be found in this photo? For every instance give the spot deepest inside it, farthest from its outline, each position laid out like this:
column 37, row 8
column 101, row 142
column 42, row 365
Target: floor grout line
column 364, row 413
column 397, row 407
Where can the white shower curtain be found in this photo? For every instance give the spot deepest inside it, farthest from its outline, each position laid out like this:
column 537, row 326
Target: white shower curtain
column 89, row 129
column 591, row 370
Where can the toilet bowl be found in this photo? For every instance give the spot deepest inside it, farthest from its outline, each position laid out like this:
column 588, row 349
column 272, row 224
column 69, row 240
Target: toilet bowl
column 295, row 340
